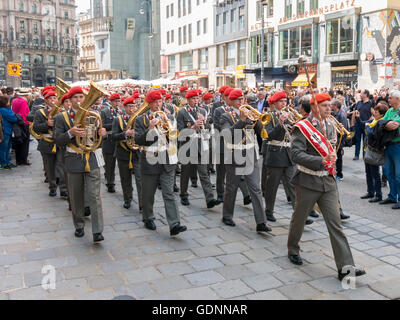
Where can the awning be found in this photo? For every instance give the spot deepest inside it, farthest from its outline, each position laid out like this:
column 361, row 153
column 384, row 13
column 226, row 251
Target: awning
column 301, row 80
column 344, row 68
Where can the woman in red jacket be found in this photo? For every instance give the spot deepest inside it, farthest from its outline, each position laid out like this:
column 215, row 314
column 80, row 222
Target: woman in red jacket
column 20, row 106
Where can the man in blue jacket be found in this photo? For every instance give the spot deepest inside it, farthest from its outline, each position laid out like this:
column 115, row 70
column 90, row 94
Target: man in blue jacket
column 9, row 118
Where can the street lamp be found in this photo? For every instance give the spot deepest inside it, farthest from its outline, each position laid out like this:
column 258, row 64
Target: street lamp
column 150, row 12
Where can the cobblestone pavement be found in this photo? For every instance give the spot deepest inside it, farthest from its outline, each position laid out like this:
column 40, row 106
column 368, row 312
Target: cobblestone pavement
column 209, row 261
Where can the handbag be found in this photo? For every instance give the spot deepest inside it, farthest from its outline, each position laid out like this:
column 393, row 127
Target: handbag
column 374, row 157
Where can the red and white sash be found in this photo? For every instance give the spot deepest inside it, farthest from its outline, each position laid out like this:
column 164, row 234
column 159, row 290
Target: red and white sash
column 319, row 142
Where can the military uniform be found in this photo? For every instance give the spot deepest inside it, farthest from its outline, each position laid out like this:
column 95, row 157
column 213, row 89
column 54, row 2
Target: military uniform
column 278, row 163
column 83, row 170
column 187, row 117
column 128, row 160
column 315, row 185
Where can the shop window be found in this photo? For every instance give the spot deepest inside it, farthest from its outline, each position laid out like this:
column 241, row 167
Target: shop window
column 204, row 59
column 295, row 42
column 171, row 64
column 231, row 54
column 340, row 35
column 186, row 61
column 242, row 52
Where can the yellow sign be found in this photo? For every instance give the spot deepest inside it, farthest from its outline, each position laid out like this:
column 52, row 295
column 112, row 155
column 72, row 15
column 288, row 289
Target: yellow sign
column 239, row 72
column 14, row 69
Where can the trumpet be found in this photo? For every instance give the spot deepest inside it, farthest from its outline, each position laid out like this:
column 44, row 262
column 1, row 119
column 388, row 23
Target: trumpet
column 340, row 129
column 255, row 116
column 293, row 115
column 164, row 125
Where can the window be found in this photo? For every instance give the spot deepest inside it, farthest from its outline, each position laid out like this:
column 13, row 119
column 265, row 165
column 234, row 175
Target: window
column 35, row 42
column 34, row 8
column 233, row 20
column 186, row 61
column 66, row 30
column 231, row 54
column 184, row 7
column 295, row 42
column 259, row 8
column 25, row 57
column 25, row 73
column 179, row 9
column 198, row 27
column 218, row 24
column 172, row 36
column 171, row 64
column 205, row 22
column 284, row 45
column 306, row 41
column 189, row 6
column 204, row 59
column 270, row 9
column 300, row 6
column 346, row 35
column 172, row 9
column 313, row 4
column 68, row 75
column 21, row 6
column 38, row 59
column 180, row 36
column 242, row 52
column 332, row 36
column 50, row 73
column 225, row 29
column 51, row 59
column 35, row 28
column 255, row 52
column 68, row 45
column 220, row 56
column 167, row 7
column 241, row 18
column 198, row 2
column 190, row 33
column 288, row 8
column 167, row 37
column 22, row 25
column 2, row 58
column 184, row 34
column 68, row 61
column 22, row 40
column 66, row 15
column 48, row 43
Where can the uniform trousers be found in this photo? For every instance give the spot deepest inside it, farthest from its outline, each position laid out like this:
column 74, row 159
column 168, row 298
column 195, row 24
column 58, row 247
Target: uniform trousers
column 221, row 173
column 86, row 186
column 109, row 169
column 126, row 180
column 54, row 168
column 149, row 188
column 328, row 203
column 252, row 181
column 187, row 170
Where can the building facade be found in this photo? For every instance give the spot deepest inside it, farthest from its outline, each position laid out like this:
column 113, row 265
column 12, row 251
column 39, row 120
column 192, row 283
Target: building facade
column 41, row 36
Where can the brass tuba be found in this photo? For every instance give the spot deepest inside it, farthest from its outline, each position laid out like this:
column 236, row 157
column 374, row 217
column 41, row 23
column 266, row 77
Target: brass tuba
column 90, row 120
column 254, row 115
column 130, row 141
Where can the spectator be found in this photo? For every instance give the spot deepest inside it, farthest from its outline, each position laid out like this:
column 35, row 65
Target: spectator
column 373, row 177
column 20, row 106
column 9, row 118
column 261, row 102
column 364, row 107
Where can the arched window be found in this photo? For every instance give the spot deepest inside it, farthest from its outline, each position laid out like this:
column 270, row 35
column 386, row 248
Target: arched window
column 21, row 6
column 36, row 42
column 34, row 8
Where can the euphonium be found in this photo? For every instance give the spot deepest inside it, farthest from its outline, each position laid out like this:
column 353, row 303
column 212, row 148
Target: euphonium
column 164, row 126
column 254, row 115
column 130, row 141
column 340, row 129
column 90, row 120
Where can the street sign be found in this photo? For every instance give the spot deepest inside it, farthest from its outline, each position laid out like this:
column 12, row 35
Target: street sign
column 14, row 69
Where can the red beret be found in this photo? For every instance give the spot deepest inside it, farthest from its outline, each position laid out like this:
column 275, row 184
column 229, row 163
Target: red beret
column 207, row 96
column 277, row 96
column 114, row 96
column 163, row 92
column 222, row 89
column 153, row 96
column 184, row 88
column 192, row 93
column 168, row 96
column 50, row 93
column 136, row 96
column 48, row 88
column 130, row 100
column 235, row 94
column 321, row 97
column 65, row 97
column 74, row 90
column 228, row 91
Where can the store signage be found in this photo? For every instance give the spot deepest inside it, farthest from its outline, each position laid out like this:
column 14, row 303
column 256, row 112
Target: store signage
column 320, row 11
column 239, row 72
column 14, row 69
column 311, row 68
column 183, row 74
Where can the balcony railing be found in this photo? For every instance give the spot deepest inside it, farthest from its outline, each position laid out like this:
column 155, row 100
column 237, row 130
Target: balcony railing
column 103, row 24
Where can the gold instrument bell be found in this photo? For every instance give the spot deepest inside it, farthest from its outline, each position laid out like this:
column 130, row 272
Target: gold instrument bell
column 340, row 129
column 255, row 116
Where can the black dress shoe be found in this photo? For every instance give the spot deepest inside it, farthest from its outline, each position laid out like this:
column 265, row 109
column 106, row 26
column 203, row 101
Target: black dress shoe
column 228, row 222
column 159, row 187
column 111, row 189
column 127, row 204
column 46, row 180
column 194, row 184
column 262, row 227
column 185, row 202
column 212, row 204
column 97, row 237
column 63, row 194
column 212, row 171
column 314, row 214
column 357, row 272
column 79, row 233
column 309, row 221
column 150, row 225
column 87, row 211
column 176, row 188
column 246, row 200
column 296, row 260
column 52, row 193
column 376, row 199
column 271, row 218
column 396, row 206
column 177, row 229
column 220, row 199
column 387, row 201
column 367, row 196
column 344, row 216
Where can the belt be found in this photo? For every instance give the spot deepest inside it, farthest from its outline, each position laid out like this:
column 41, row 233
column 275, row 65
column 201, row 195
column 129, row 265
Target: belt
column 313, row 173
column 279, row 143
column 240, row 146
column 70, row 150
column 46, row 135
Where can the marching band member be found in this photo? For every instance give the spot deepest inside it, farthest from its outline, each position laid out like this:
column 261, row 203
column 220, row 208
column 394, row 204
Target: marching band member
column 128, row 160
column 234, row 120
column 157, row 164
column 315, row 183
column 195, row 118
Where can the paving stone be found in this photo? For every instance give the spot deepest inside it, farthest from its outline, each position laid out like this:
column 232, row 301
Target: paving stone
column 391, row 239
column 137, row 291
column 384, row 251
column 34, row 293
column 117, row 266
column 35, row 278
column 81, row 270
column 204, row 278
column 105, row 281
column 62, row 262
column 142, row 275
column 376, row 243
column 97, row 295
column 175, row 269
column 362, row 237
column 262, row 282
column 235, row 272
column 291, row 276
column 26, row 267
column 299, row 291
column 259, row 254
column 233, row 247
column 391, row 259
column 362, row 294
column 8, row 259
column 94, row 258
column 377, row 234
column 319, row 270
column 200, row 293
column 40, row 255
column 331, row 296
column 69, row 288
column 10, row 283
column 203, row 264
column 207, row 251
column 267, row 295
column 208, row 241
column 233, row 259
column 327, row 285
column 384, row 272
column 389, row 288
column 262, row 267
column 166, row 296
column 231, row 288
column 170, row 284
column 176, row 256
